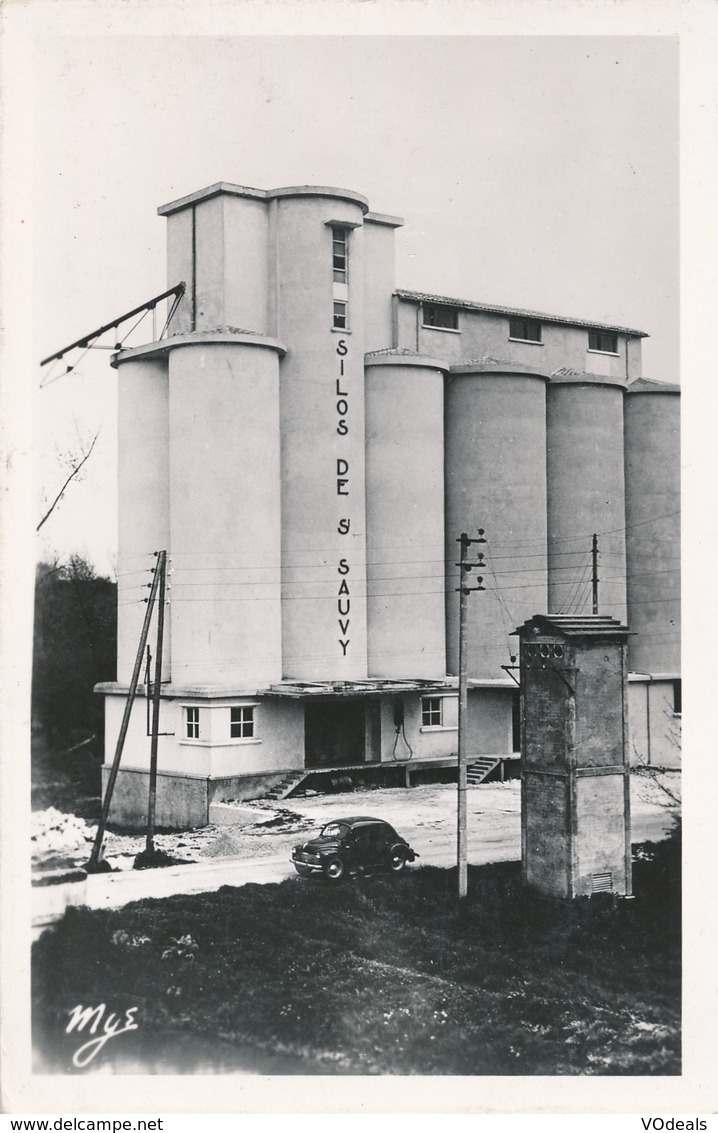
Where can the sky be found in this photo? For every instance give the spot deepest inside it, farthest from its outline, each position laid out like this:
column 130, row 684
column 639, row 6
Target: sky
column 531, row 171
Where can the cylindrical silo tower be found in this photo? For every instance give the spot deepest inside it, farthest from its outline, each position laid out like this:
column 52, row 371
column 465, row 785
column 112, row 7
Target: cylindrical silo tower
column 652, row 444
column 586, row 494
column 316, row 301
column 225, row 510
column 405, row 515
column 143, row 490
column 495, row 436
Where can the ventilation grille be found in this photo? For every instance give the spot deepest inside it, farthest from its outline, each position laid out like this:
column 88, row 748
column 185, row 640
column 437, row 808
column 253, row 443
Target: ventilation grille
column 602, row 882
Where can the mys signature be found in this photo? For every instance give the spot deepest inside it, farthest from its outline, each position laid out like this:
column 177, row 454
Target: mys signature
column 111, row 1027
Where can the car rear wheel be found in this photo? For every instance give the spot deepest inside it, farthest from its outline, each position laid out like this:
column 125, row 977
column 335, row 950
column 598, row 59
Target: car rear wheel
column 302, row 870
column 397, row 861
column 334, row 869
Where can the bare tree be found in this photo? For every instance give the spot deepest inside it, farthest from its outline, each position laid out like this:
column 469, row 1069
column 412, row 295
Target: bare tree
column 74, row 463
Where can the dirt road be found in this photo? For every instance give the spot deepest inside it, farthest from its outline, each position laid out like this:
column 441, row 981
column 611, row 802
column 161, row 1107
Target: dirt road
column 259, row 853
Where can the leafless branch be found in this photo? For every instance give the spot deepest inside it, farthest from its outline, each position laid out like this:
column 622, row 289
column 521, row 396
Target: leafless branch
column 76, row 466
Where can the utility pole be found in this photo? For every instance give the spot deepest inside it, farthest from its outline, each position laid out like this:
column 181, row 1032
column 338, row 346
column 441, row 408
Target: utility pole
column 161, row 571
column 92, row 865
column 464, row 591
column 594, row 576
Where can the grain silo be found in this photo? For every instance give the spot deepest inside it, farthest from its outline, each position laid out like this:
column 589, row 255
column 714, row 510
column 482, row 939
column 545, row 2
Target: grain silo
column 495, row 425
column 405, row 515
column 585, row 492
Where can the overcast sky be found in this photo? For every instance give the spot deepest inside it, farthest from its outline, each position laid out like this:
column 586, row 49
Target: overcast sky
column 533, row 171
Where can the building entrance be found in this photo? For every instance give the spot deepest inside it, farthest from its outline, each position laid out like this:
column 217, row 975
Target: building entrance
column 334, row 733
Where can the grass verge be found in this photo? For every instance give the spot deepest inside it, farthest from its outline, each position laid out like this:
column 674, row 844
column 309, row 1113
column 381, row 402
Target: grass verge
column 381, row 975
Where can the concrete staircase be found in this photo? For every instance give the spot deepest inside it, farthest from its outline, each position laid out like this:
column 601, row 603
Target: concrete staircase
column 480, row 768
column 286, row 786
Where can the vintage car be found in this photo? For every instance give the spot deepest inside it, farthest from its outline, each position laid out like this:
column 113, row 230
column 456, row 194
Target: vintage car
column 352, row 845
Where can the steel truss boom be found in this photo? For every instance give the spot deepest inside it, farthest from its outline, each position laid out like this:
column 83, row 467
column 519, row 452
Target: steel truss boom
column 178, row 291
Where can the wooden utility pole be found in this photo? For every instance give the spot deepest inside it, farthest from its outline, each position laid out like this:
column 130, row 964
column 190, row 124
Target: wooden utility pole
column 156, row 688
column 594, row 572
column 464, row 591
column 92, row 864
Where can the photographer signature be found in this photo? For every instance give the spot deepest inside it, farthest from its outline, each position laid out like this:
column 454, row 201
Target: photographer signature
column 112, row 1025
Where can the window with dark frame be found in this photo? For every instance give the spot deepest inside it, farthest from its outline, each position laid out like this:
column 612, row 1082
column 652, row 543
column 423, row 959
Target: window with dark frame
column 340, row 314
column 191, row 717
column 340, row 254
column 431, row 712
column 602, row 342
column 241, row 724
column 442, row 317
column 678, row 697
column 527, row 330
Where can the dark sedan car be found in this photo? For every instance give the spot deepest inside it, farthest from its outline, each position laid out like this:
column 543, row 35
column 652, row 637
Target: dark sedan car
column 350, row 845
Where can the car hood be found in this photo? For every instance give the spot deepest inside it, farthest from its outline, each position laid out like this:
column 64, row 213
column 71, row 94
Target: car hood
column 317, row 845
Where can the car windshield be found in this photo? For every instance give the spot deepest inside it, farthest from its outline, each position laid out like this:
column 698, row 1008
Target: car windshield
column 334, row 830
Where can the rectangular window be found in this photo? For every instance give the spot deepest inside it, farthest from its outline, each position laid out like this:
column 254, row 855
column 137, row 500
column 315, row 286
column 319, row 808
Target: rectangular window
column 526, row 330
column 435, row 315
column 241, row 725
column 191, row 721
column 340, row 254
column 677, row 697
column 604, row 343
column 431, row 712
column 340, row 314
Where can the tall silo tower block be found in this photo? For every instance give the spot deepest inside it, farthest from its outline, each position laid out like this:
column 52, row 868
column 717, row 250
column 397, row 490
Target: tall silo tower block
column 317, row 288
column 405, row 515
column 495, row 429
column 585, row 492
column 652, row 449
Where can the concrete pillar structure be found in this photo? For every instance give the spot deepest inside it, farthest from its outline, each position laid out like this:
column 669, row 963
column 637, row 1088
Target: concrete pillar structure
column 495, row 422
column 586, row 494
column 575, row 778
column 405, row 515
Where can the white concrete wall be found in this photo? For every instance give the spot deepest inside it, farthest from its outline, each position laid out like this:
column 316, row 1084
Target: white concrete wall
column 378, row 284
column 482, row 333
column 654, row 727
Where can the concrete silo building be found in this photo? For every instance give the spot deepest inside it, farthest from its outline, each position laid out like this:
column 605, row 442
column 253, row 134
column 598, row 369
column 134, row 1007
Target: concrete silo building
column 307, row 444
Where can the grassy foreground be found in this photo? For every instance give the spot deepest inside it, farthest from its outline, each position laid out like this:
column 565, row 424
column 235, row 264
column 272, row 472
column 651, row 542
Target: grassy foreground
column 380, row 976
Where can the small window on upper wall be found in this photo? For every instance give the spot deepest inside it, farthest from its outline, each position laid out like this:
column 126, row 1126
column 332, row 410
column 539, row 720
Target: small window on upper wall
column 191, row 723
column 431, row 716
column 241, row 725
column 340, row 254
column 604, row 343
column 340, row 314
column 526, row 330
column 441, row 317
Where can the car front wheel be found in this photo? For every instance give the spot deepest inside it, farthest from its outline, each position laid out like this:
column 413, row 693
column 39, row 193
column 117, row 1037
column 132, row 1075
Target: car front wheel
column 334, row 869
column 397, row 861
column 302, row 870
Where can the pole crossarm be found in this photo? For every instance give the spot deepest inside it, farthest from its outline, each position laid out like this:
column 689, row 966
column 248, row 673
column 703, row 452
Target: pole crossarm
column 84, row 343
